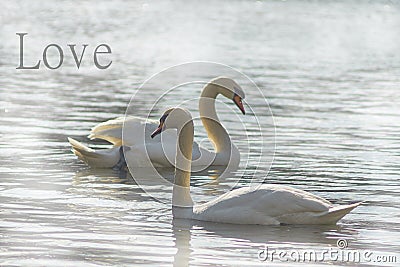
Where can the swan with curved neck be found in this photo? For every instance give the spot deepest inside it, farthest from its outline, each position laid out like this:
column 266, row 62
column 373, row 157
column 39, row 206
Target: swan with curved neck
column 162, row 151
column 265, row 205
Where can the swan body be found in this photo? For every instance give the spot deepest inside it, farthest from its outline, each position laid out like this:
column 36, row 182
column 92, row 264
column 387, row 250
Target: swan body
column 270, row 205
column 264, row 205
column 143, row 151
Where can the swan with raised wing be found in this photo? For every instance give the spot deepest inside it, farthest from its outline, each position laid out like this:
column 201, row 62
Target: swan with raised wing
column 265, row 204
column 143, row 151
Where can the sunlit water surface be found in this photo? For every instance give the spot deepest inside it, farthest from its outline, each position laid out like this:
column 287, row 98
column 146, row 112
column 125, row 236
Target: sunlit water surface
column 330, row 71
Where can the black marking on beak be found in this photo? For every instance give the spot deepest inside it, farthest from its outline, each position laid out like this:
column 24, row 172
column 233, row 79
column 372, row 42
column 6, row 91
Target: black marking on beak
column 160, row 126
column 238, row 101
column 157, row 131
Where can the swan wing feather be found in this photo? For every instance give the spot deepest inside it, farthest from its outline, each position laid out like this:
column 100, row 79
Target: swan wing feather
column 111, row 130
column 263, row 205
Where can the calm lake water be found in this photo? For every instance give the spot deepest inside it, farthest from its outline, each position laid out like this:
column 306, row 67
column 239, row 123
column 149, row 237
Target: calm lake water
column 331, row 74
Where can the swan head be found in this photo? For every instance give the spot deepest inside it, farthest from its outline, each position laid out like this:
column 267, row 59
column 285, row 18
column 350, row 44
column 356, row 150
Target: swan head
column 173, row 118
column 230, row 89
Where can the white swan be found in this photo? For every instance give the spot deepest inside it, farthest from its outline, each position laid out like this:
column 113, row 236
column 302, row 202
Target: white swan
column 161, row 152
column 265, row 205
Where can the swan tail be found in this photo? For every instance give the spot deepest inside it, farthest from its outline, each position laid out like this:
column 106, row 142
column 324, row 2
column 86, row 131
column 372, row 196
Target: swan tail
column 334, row 214
column 104, row 158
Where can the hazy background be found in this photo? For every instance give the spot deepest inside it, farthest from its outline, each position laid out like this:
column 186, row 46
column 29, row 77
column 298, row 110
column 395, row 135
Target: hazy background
column 329, row 69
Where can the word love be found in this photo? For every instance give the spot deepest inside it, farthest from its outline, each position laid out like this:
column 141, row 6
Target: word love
column 98, row 51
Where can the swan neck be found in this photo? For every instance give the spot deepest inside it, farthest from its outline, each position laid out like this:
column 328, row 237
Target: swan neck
column 208, row 115
column 181, row 191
